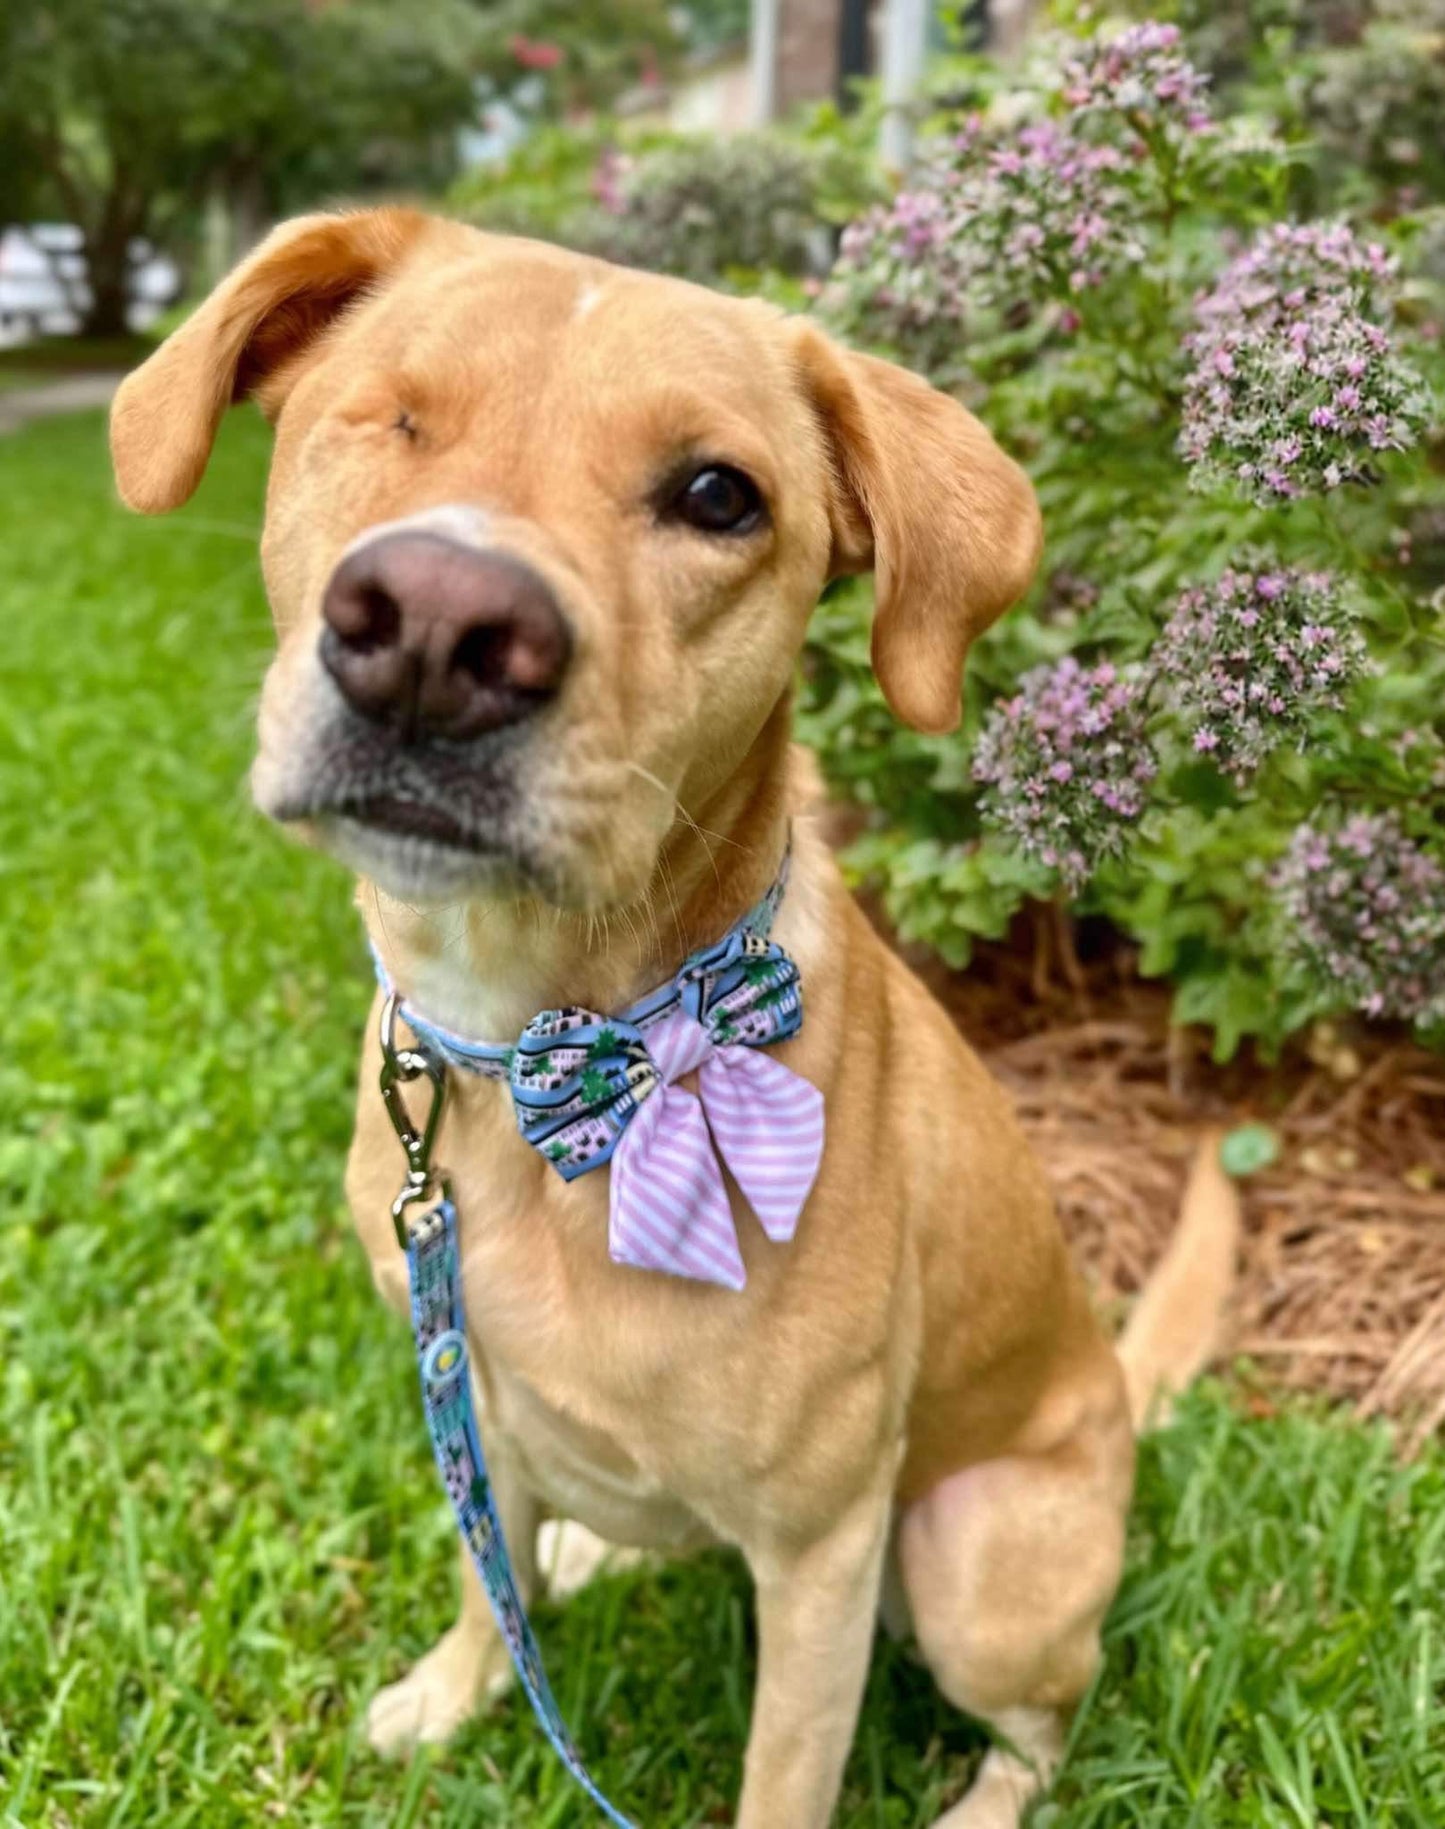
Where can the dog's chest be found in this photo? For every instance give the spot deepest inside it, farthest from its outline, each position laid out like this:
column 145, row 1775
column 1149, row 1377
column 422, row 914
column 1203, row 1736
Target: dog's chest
column 591, row 1379
column 579, row 1470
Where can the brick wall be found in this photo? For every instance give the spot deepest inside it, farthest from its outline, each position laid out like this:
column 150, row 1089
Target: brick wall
column 807, row 69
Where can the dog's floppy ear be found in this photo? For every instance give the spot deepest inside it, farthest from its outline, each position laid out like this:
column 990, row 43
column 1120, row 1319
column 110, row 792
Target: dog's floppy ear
column 925, row 499
column 165, row 415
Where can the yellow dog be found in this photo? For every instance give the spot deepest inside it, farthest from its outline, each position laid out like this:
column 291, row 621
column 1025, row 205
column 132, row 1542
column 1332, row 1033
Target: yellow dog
column 542, row 540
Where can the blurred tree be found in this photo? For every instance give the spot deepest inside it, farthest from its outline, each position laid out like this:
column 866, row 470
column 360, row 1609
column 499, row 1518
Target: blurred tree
column 123, row 116
column 126, row 117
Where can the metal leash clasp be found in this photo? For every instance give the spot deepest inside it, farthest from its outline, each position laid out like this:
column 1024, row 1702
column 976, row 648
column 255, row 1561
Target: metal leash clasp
column 399, row 1065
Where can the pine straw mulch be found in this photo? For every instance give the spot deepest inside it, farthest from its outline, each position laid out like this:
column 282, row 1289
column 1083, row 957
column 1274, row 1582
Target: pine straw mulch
column 1342, row 1283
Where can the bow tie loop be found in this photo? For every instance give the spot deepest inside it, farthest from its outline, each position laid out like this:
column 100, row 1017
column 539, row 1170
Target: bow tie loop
column 577, row 1079
column 755, row 1000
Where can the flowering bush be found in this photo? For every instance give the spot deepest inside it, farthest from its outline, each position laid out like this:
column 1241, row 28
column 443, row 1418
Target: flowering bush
column 1231, row 417
column 1296, row 404
column 719, row 211
column 1363, row 81
column 702, row 208
column 1066, row 763
column 1140, row 259
column 1042, row 214
column 1252, row 662
column 1016, row 217
column 1290, row 265
column 1362, row 909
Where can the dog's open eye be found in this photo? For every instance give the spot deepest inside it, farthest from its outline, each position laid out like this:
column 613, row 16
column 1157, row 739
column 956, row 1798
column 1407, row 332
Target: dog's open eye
column 718, row 499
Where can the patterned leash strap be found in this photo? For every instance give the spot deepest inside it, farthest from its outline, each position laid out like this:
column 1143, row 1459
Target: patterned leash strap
column 426, row 1228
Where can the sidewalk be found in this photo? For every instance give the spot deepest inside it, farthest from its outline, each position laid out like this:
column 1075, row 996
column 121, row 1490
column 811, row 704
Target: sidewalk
column 71, row 394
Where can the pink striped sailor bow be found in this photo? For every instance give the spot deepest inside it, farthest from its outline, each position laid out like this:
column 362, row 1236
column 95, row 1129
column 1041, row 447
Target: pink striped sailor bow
column 590, row 1089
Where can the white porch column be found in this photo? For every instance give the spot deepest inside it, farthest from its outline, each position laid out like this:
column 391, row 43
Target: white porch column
column 763, row 60
column 904, row 52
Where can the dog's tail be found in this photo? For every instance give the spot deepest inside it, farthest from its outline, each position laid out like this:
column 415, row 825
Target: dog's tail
column 1177, row 1324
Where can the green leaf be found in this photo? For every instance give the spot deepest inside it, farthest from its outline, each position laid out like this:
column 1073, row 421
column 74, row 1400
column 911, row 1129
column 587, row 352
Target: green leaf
column 1201, row 785
column 1247, row 1149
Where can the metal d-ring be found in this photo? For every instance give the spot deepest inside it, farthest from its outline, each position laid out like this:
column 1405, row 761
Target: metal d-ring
column 399, row 1066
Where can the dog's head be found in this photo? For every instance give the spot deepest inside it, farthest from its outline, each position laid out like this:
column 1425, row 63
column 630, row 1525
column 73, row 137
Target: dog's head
column 543, row 537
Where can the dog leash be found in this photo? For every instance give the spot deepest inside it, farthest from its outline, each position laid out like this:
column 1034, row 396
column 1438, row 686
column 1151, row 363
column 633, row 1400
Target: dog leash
column 426, row 1229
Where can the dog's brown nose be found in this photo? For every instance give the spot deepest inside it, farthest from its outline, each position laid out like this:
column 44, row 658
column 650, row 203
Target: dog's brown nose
column 434, row 638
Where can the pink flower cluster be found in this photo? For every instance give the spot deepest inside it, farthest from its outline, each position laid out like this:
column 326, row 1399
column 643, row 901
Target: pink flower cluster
column 1045, row 215
column 1035, row 216
column 1362, row 917
column 903, row 270
column 1066, row 765
column 1292, row 264
column 1142, row 76
column 1022, row 214
column 1294, row 389
column 1251, row 661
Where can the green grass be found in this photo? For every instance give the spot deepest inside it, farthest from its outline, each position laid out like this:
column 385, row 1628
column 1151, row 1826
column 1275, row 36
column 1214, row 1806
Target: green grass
column 218, row 1528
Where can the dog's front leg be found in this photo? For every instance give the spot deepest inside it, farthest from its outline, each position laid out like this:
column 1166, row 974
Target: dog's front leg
column 816, row 1612
column 469, row 1663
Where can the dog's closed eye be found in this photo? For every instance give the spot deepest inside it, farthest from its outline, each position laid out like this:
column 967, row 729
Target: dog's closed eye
column 715, row 499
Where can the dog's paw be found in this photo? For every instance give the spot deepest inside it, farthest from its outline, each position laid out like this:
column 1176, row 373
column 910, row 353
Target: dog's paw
column 998, row 1798
column 440, row 1693
column 569, row 1555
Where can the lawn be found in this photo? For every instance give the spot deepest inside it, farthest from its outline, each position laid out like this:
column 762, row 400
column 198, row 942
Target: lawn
column 218, row 1527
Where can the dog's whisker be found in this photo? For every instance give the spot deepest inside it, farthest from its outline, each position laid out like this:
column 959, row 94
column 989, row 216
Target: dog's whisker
column 670, row 890
column 701, row 832
column 636, row 937
column 380, row 913
column 649, row 909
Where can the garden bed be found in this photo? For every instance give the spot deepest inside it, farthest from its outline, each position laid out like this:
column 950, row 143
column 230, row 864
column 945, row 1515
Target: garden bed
column 1342, row 1285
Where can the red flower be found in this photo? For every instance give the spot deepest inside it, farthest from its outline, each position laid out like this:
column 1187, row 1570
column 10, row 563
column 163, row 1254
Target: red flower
column 535, row 53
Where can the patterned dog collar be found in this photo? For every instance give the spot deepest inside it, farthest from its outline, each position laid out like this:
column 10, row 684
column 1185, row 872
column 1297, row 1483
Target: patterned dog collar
column 589, row 1089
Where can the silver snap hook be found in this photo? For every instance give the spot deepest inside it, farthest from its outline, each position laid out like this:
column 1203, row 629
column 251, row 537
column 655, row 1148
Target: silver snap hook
column 400, row 1065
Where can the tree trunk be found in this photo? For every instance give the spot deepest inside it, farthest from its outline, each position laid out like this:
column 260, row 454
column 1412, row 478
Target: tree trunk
column 107, row 262
column 108, row 267
column 251, row 214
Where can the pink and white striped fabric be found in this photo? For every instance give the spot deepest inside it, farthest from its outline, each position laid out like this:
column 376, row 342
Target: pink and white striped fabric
column 669, row 1205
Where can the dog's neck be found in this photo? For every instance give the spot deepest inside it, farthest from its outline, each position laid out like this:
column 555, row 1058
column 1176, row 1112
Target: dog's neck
column 484, row 969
